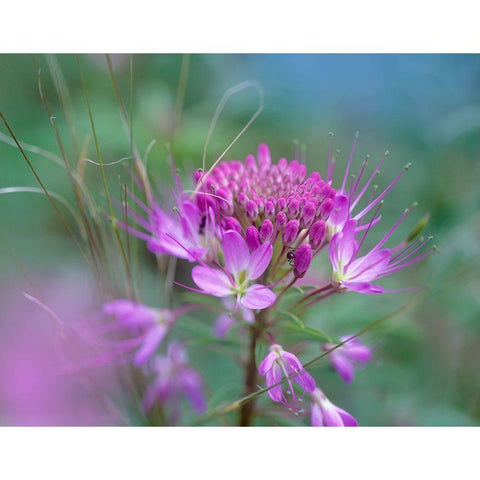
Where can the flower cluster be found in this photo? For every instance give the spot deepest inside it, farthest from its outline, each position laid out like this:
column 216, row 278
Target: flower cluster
column 252, row 229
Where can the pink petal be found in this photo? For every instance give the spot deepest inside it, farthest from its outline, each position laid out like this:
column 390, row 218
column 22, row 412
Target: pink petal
column 331, row 416
column 343, row 367
column 212, row 281
column 316, row 416
column 266, row 363
column 191, row 383
column 236, row 252
column 223, row 324
column 363, row 287
column 370, row 266
column 247, row 314
column 360, row 353
column 304, row 379
column 259, row 261
column 346, row 245
column 273, row 376
column 258, row 297
column 150, row 344
column 131, row 314
column 348, row 420
column 339, row 214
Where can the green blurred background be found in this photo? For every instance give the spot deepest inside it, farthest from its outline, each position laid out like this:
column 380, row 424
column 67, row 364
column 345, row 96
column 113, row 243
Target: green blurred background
column 424, row 109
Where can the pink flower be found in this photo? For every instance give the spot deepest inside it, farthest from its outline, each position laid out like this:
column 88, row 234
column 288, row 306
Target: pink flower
column 357, row 273
column 278, row 363
column 343, row 358
column 175, row 378
column 241, row 268
column 188, row 232
column 325, row 414
column 151, row 324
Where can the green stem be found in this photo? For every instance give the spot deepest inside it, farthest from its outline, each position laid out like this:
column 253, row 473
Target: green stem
column 247, row 412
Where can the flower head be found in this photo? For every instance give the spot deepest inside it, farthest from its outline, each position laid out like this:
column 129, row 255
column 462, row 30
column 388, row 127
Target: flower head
column 343, row 358
column 241, row 269
column 268, row 197
column 325, row 414
column 278, row 363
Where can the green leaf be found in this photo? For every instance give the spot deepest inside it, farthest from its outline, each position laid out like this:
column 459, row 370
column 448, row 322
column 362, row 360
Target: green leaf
column 310, row 333
column 296, row 320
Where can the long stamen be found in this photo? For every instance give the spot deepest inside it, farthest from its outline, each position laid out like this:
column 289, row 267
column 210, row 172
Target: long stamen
column 369, row 181
column 342, row 189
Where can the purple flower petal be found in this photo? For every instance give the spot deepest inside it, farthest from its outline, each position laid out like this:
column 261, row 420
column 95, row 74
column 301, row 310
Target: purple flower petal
column 258, row 297
column 370, row 266
column 331, row 416
column 339, row 214
column 266, row 363
column 191, row 384
column 273, row 376
column 236, row 252
column 316, row 416
column 363, row 287
column 130, row 313
column 359, row 353
column 247, row 314
column 346, row 245
column 150, row 344
column 223, row 324
column 348, row 420
column 259, row 261
column 212, row 281
column 304, row 379
column 343, row 366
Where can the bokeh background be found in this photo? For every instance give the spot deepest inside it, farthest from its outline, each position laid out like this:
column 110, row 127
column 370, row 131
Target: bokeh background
column 424, row 109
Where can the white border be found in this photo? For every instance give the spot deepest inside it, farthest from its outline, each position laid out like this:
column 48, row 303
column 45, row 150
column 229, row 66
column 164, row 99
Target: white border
column 236, row 453
column 250, row 26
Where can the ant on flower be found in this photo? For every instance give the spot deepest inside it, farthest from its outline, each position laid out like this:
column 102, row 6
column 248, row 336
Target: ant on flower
column 291, row 256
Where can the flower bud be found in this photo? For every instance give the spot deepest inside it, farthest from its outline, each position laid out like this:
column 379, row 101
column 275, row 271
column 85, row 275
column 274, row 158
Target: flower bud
column 243, row 199
column 302, row 172
column 266, row 230
column 263, row 155
column 302, row 260
column 320, row 190
column 292, row 207
column 269, row 209
column 308, row 214
column 290, row 233
column 326, row 208
column 198, row 174
column 253, row 238
column 205, row 201
column 280, row 220
column 282, row 164
column 317, row 233
column 252, row 210
column 293, row 167
column 281, row 204
column 251, row 163
column 232, row 223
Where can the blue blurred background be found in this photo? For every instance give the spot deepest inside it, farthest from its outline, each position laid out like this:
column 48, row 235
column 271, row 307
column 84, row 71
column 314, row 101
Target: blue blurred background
column 424, row 109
